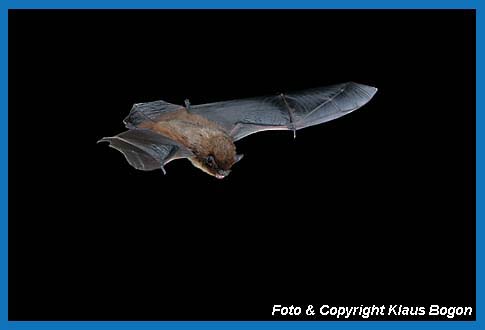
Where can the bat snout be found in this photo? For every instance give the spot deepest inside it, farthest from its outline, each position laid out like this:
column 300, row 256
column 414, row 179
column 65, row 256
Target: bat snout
column 222, row 174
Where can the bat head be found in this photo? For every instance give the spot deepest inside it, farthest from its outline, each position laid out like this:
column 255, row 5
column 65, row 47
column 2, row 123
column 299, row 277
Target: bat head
column 216, row 155
column 219, row 168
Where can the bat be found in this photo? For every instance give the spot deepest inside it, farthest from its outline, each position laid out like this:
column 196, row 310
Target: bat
column 159, row 132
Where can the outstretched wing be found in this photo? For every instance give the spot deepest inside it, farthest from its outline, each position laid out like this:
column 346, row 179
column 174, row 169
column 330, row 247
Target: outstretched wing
column 292, row 111
column 146, row 150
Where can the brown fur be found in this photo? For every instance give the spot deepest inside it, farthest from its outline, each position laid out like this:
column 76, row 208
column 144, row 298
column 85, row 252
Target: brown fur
column 202, row 136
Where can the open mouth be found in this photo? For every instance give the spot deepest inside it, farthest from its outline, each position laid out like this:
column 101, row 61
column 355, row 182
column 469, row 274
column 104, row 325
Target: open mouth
column 220, row 176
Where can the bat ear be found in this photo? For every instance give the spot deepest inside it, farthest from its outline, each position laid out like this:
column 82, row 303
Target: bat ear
column 238, row 158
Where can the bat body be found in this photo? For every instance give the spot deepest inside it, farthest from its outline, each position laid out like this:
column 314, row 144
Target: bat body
column 159, row 132
column 202, row 137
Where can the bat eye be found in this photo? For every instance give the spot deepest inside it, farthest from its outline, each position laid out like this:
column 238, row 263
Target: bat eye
column 210, row 161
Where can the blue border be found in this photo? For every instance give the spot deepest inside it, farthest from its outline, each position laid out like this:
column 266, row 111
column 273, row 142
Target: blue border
column 237, row 4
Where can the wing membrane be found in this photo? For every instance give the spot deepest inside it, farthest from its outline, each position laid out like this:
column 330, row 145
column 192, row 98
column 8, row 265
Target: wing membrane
column 291, row 111
column 146, row 150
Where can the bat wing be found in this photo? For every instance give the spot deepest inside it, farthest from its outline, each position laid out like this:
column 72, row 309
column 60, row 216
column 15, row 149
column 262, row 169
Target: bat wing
column 293, row 111
column 149, row 111
column 146, row 150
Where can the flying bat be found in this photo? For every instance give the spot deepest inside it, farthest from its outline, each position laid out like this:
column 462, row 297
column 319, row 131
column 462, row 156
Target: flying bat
column 159, row 132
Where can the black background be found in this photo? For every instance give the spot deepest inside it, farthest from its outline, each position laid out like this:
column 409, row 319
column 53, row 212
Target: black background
column 373, row 208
